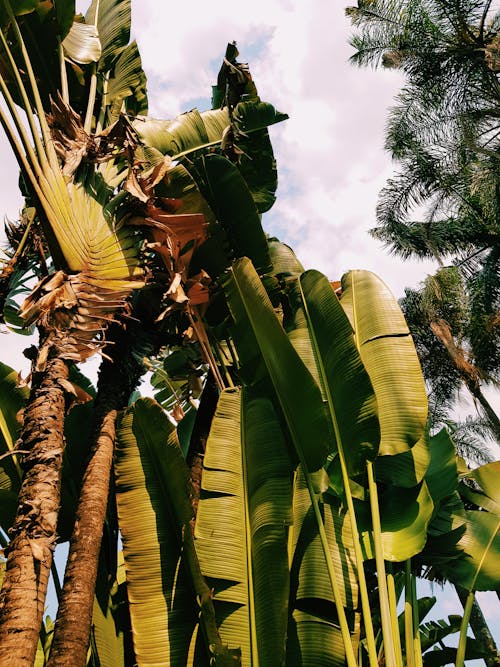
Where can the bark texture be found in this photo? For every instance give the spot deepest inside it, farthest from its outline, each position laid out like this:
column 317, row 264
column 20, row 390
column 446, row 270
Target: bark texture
column 33, row 535
column 470, row 375
column 74, row 617
column 480, row 629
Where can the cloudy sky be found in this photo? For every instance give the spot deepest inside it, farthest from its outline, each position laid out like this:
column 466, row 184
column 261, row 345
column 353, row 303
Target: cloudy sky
column 330, row 155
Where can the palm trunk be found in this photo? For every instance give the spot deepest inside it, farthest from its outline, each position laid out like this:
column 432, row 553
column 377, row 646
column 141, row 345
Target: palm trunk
column 74, row 617
column 33, row 535
column 491, row 415
column 480, row 629
column 442, row 330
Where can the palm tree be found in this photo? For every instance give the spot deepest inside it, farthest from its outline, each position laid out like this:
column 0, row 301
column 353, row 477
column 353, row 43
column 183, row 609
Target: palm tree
column 444, row 201
column 440, row 319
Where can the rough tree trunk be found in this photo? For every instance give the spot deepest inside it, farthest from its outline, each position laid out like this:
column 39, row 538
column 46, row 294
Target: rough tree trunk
column 33, row 535
column 480, row 629
column 74, row 617
column 469, row 373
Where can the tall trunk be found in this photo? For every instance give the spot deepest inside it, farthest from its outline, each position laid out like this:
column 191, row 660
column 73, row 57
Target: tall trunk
column 480, row 629
column 74, row 617
column 33, row 535
column 490, row 413
column 469, row 373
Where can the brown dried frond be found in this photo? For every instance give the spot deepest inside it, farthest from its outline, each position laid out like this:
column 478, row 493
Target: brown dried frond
column 73, row 144
column 74, row 313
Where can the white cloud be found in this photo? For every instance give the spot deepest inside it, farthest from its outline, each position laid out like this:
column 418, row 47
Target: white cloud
column 331, row 161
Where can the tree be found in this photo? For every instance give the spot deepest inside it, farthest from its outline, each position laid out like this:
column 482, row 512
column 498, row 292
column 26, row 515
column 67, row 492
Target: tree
column 444, row 134
column 440, row 320
column 311, row 437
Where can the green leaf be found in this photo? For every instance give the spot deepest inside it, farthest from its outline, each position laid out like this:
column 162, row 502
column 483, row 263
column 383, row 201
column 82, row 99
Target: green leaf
column 78, row 431
column 262, row 334
column 314, row 636
column 487, row 477
column 82, row 43
column 127, row 81
column 351, row 401
column 255, row 115
column 12, row 399
column 113, row 23
column 313, row 640
column 231, row 200
column 19, row 8
column 283, row 259
column 447, row 655
column 310, row 580
column 152, row 486
column 441, row 476
column 257, row 163
column 433, row 632
column 111, row 635
column 189, row 132
column 389, row 356
column 479, row 565
column 405, row 515
column 405, row 469
column 241, row 527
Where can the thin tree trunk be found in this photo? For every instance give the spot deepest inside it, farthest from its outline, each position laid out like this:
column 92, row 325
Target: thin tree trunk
column 480, row 629
column 74, row 617
column 469, row 373
column 492, row 416
column 33, row 535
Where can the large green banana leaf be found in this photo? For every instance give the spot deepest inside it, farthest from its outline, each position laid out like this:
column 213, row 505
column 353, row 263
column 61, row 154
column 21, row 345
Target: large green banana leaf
column 314, row 636
column 12, row 399
column 152, row 491
column 480, row 545
column 126, row 85
column 488, row 493
column 406, row 511
column 242, row 523
column 43, row 26
column 447, row 655
column 112, row 19
column 351, row 401
column 404, row 515
column 192, row 131
column 238, row 231
column 464, row 546
column 256, row 161
column 189, row 132
column 259, row 334
column 389, row 356
column 229, row 197
column 110, row 636
column 405, row 469
column 441, row 476
column 283, row 259
column 313, row 640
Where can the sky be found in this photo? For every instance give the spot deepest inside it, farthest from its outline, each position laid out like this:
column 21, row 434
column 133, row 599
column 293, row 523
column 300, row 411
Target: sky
column 330, row 155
